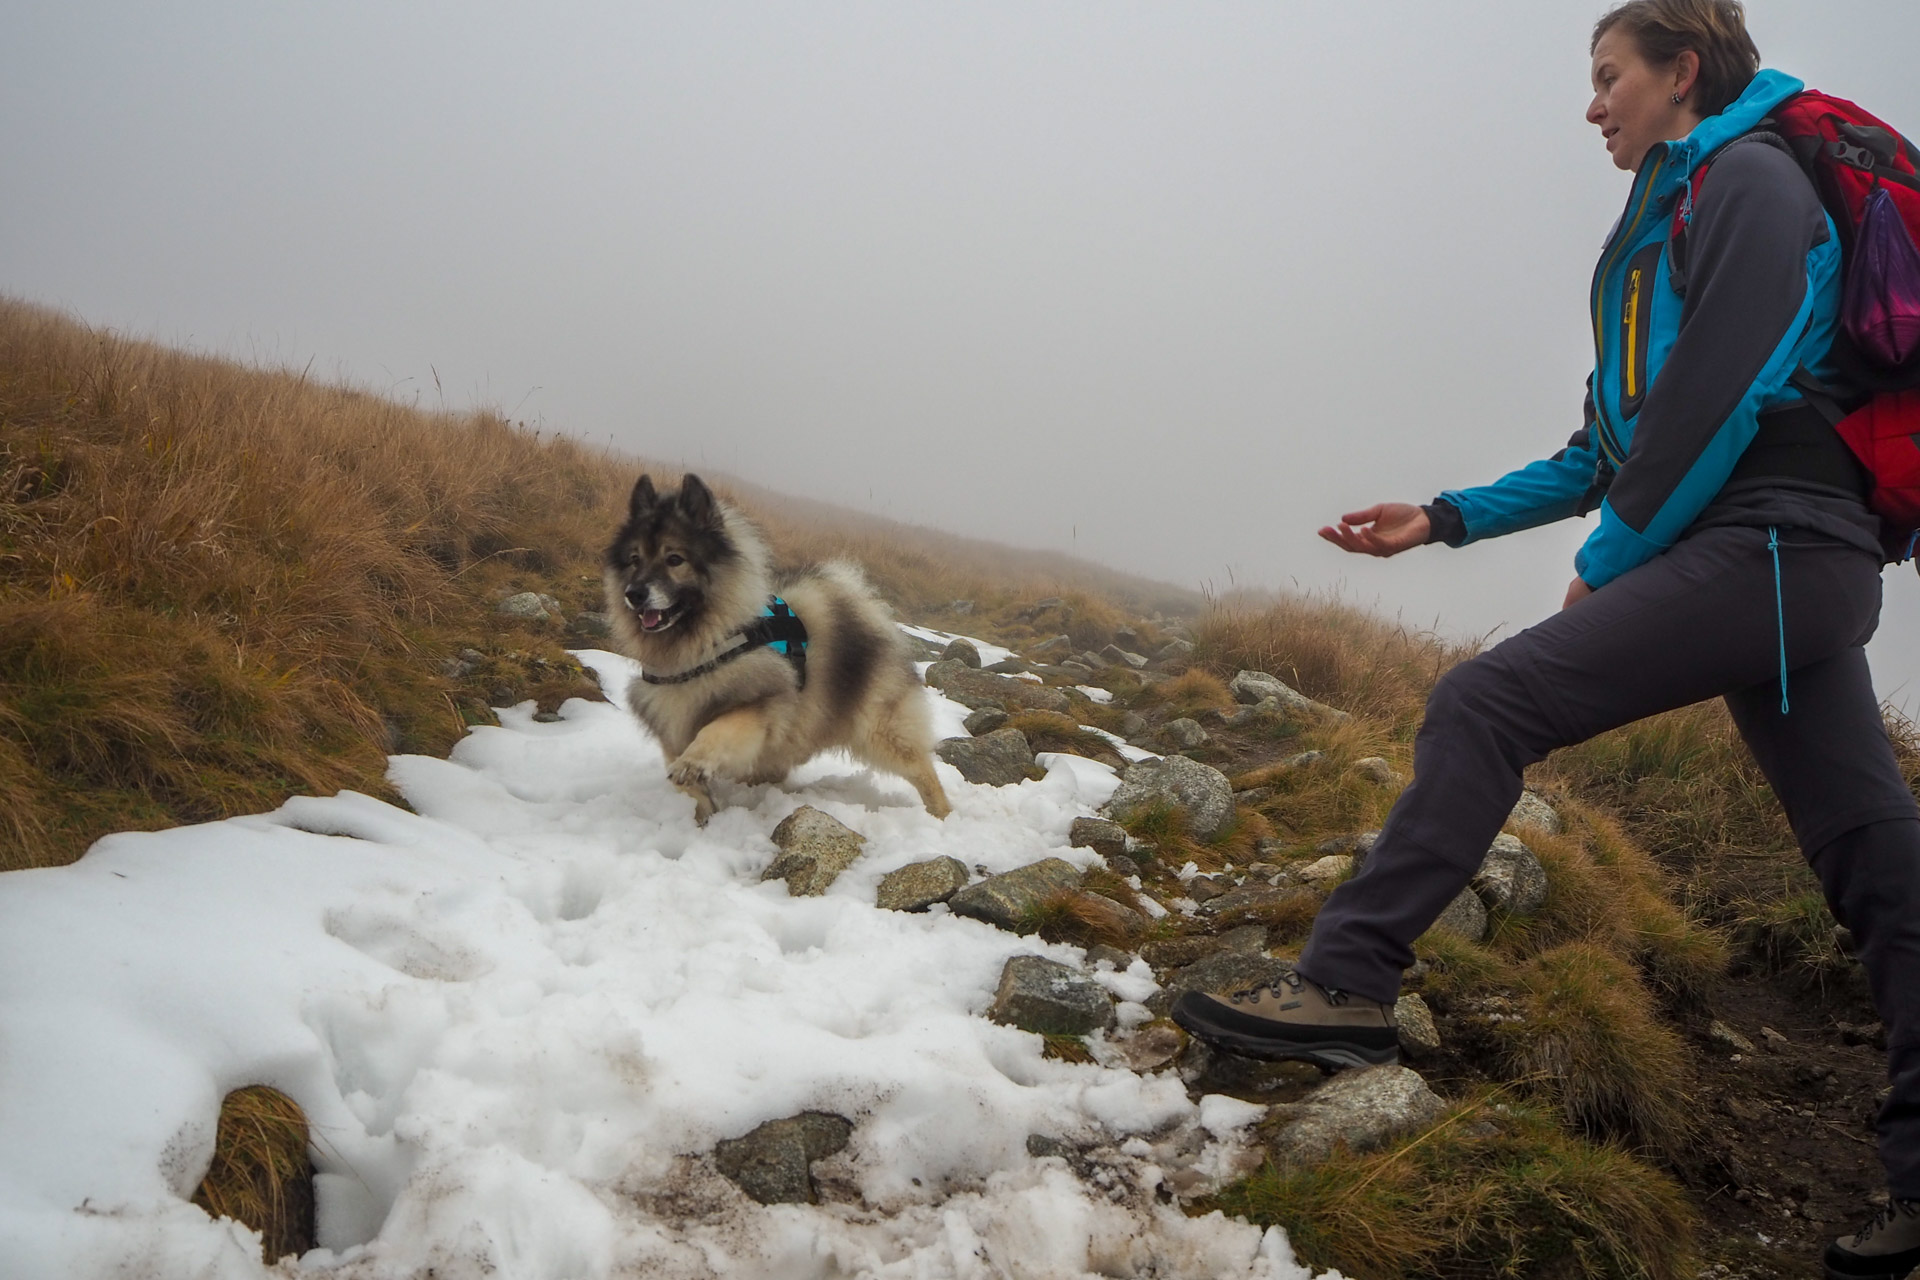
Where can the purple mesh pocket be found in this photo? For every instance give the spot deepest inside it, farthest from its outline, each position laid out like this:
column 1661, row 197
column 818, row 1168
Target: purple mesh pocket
column 1882, row 308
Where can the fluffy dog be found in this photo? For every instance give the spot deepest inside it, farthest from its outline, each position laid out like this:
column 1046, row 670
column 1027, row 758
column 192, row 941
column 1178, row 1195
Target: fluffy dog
column 731, row 685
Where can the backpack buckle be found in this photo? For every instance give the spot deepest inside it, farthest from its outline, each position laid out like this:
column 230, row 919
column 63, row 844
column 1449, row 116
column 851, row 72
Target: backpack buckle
column 1856, row 157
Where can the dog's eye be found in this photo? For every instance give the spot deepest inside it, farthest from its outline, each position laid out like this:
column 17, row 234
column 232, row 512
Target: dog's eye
column 633, row 557
column 675, row 560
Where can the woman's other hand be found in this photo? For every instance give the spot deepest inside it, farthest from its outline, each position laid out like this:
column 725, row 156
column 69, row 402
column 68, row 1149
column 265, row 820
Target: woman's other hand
column 1576, row 592
column 1383, row 530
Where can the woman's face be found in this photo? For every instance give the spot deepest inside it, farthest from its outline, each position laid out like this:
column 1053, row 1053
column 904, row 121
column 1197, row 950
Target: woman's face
column 1633, row 102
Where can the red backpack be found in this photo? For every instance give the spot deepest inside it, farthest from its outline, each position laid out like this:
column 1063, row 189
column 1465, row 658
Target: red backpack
column 1868, row 177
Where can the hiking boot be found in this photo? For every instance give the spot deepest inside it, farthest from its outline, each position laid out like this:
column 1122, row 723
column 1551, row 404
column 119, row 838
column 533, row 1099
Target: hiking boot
column 1885, row 1249
column 1294, row 1018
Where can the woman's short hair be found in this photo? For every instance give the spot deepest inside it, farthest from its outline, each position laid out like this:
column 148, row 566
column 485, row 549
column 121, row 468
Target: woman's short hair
column 1716, row 30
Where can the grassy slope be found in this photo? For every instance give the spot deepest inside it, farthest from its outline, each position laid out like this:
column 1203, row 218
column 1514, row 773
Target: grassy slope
column 220, row 586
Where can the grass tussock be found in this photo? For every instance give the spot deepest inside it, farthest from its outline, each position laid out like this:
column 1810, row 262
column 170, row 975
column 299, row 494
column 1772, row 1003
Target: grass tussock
column 1590, row 1041
column 1334, row 652
column 1053, row 731
column 1490, row 1190
column 1083, row 919
column 222, row 585
column 262, row 1171
column 1165, row 827
column 1188, row 694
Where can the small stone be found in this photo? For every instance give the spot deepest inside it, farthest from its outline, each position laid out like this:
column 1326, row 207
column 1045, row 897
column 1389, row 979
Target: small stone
column 1045, row 996
column 1773, row 1040
column 1360, row 1109
column 921, row 884
column 1727, row 1038
column 1122, row 865
column 1256, row 688
column 1466, row 915
column 1328, row 871
column 1041, row 1147
column 1174, row 651
column 1103, row 837
column 962, row 650
column 1010, row 901
column 1418, row 1034
column 547, row 717
column 998, row 759
column 1123, row 658
column 975, row 689
column 1199, row 790
column 985, row 720
column 1051, row 650
column 942, row 671
column 1510, row 878
column 771, row 1164
column 1205, row 888
column 1359, row 845
column 1115, row 956
column 1246, row 903
column 1253, row 796
column 814, row 849
column 1184, row 734
column 529, row 605
column 591, row 624
column 1532, row 811
column 1133, row 725
column 1246, row 940
column 1153, row 1047
column 1377, row 770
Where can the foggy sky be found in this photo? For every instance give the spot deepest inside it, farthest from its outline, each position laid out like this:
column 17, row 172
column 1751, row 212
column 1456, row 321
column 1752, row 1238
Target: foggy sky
column 1168, row 286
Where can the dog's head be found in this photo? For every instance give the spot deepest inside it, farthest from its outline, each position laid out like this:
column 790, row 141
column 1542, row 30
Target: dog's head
column 663, row 564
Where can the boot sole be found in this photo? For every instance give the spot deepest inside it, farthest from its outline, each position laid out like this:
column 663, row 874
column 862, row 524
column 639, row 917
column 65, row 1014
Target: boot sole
column 1895, row 1273
column 1333, row 1054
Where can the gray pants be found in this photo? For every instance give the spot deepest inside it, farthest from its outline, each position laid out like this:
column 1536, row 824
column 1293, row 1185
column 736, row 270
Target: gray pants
column 1694, row 623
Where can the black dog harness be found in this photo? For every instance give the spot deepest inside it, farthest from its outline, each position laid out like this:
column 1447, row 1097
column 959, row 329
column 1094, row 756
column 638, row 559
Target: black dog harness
column 778, row 628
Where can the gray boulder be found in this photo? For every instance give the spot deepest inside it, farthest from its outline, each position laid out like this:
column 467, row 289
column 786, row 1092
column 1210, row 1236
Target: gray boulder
column 1418, row 1034
column 1103, row 837
column 1051, row 650
column 961, row 650
column 1466, row 915
column 1201, row 791
column 529, row 605
column 998, row 759
column 1045, row 996
column 976, row 689
column 1325, row 873
column 1011, row 900
column 985, row 720
column 1183, row 734
column 921, row 884
column 1531, row 811
column 1123, row 658
column 1252, row 688
column 1378, row 771
column 590, row 624
column 1362, row 1109
column 1510, row 878
column 771, row 1164
column 814, row 849
column 1174, row 651
column 942, row 671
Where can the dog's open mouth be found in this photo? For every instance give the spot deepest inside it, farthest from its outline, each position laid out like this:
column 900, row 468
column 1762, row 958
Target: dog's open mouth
column 652, row 620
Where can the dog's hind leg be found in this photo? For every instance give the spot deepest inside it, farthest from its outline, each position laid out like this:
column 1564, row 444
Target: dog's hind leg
column 897, row 743
column 726, row 747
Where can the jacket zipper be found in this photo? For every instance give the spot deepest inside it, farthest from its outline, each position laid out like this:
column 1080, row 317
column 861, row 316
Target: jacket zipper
column 1609, row 443
column 1633, row 331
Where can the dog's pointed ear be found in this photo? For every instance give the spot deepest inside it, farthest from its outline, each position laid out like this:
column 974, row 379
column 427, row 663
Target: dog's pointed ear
column 698, row 504
column 644, row 499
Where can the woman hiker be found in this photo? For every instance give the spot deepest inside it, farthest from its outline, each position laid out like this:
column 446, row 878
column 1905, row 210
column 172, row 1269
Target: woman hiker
column 1734, row 557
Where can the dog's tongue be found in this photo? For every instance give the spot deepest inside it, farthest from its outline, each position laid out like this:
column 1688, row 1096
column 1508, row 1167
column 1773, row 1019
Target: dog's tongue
column 649, row 618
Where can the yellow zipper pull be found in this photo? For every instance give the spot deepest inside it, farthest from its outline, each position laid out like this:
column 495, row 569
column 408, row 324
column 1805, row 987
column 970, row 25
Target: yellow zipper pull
column 1632, row 321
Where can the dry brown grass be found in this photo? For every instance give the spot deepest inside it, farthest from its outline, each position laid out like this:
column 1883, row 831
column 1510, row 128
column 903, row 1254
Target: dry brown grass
column 1331, row 651
column 262, row 1172
column 220, row 586
column 1491, row 1189
column 1052, row 731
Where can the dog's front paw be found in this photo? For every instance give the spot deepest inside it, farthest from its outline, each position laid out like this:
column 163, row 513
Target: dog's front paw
column 693, row 779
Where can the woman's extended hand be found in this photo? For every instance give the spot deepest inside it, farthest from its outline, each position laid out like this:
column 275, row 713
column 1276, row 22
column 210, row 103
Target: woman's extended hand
column 1577, row 590
column 1383, row 530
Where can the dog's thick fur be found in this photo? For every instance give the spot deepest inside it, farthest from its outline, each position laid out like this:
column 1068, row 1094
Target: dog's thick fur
column 683, row 576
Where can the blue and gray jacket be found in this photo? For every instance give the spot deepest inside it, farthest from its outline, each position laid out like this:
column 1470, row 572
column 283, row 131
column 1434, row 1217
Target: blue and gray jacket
column 1688, row 356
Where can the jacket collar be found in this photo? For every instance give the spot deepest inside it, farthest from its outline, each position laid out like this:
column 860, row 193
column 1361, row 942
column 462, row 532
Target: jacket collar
column 1765, row 92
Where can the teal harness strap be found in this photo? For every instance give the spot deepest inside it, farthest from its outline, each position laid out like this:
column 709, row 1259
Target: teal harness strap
column 778, row 628
column 1780, row 612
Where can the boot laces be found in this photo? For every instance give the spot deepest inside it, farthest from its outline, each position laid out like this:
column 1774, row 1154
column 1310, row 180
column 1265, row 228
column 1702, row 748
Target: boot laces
column 1292, row 982
column 1894, row 1209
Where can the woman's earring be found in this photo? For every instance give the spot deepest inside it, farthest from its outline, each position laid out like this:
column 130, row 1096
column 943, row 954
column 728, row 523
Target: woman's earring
column 1677, row 99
